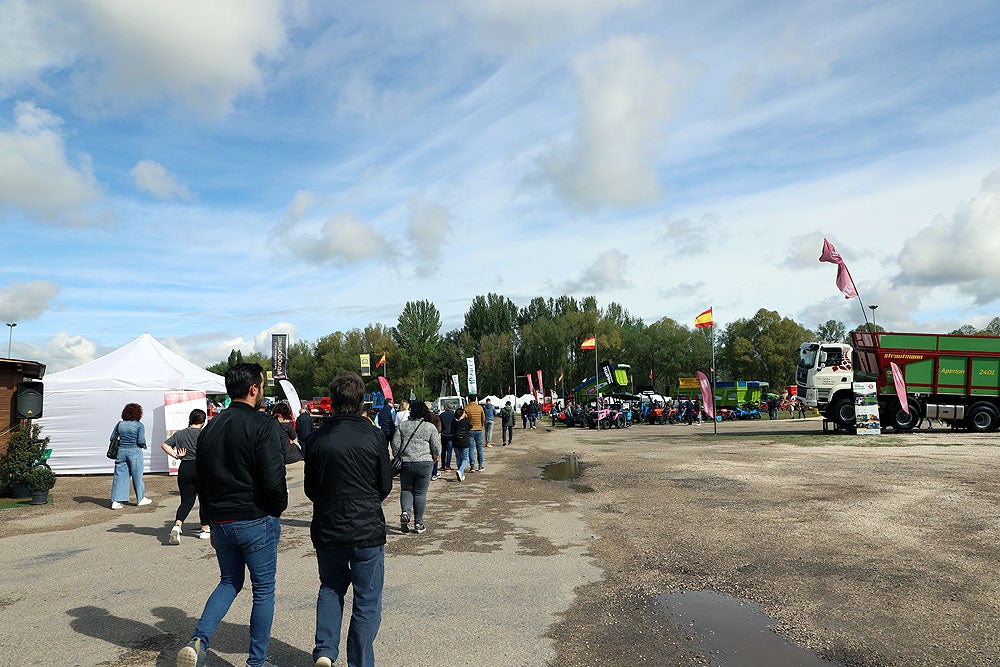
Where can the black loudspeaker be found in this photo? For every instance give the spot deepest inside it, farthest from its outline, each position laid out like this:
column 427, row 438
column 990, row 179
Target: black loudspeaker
column 29, row 400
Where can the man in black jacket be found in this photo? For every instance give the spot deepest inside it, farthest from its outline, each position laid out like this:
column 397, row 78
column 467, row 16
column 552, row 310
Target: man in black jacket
column 241, row 485
column 347, row 476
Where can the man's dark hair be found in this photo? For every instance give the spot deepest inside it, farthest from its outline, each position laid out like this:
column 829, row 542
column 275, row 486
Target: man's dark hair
column 347, row 393
column 240, row 377
column 197, row 416
column 419, row 410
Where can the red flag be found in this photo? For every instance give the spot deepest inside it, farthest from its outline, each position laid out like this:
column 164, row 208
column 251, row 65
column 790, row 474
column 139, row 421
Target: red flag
column 650, row 373
column 386, row 389
column 703, row 320
column 706, row 394
column 844, row 282
column 531, row 386
column 897, row 379
column 541, row 389
column 380, row 361
column 589, row 344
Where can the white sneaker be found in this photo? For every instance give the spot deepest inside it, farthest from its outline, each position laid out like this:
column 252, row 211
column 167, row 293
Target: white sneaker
column 205, row 534
column 175, row 535
column 115, row 505
column 144, row 501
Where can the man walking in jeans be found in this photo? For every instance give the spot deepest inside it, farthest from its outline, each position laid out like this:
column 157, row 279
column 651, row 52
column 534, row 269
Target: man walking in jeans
column 477, row 418
column 347, row 476
column 241, row 485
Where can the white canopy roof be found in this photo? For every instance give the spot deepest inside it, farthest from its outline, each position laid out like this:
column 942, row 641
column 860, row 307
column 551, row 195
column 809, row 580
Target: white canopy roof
column 82, row 405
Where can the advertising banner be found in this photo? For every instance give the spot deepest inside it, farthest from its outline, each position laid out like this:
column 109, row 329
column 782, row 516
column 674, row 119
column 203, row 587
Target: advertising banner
column 293, row 396
column 866, row 408
column 386, row 389
column 541, row 389
column 531, row 386
column 366, row 365
column 279, row 355
column 707, row 399
column 473, row 388
column 177, row 407
column 454, row 381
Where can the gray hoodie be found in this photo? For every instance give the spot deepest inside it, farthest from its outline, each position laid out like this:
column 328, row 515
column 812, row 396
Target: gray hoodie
column 425, row 444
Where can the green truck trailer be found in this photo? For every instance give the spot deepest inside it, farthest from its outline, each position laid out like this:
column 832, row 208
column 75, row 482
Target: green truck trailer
column 955, row 379
column 728, row 394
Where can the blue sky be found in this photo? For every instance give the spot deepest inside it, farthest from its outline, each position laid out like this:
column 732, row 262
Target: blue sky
column 212, row 172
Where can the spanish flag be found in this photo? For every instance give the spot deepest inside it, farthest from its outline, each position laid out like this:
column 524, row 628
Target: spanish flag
column 380, row 361
column 704, row 320
column 589, row 344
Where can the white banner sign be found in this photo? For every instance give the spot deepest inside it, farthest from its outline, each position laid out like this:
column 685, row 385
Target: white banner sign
column 177, row 407
column 866, row 408
column 471, row 362
column 454, row 381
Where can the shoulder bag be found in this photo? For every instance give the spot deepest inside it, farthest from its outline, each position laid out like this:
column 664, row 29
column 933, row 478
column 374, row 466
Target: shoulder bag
column 116, row 440
column 397, row 461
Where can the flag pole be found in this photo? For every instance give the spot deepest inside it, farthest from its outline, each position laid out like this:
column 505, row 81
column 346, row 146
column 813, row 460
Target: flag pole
column 715, row 409
column 597, row 376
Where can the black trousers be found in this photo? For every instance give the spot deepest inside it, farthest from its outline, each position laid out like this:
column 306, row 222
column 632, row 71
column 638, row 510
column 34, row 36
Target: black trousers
column 187, row 477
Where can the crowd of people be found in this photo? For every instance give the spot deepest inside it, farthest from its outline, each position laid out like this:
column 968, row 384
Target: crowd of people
column 234, row 466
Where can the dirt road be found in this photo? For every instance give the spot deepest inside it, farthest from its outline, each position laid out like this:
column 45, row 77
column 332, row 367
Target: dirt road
column 867, row 550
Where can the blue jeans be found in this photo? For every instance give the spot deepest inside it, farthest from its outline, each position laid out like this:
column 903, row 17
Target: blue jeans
column 239, row 546
column 508, row 433
column 489, row 432
column 446, row 448
column 532, row 418
column 414, row 480
column 128, row 464
column 475, row 447
column 364, row 569
column 461, row 459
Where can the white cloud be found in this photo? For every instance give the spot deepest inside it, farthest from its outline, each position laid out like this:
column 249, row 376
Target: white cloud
column 153, row 177
column 301, row 205
column 204, row 54
column 625, row 91
column 341, row 239
column 427, row 232
column 207, row 352
column 61, row 352
column 26, row 301
column 607, row 272
column 961, row 251
column 687, row 237
column 37, row 176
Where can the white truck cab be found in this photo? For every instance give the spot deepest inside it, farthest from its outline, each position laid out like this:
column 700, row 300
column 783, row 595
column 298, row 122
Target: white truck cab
column 825, row 377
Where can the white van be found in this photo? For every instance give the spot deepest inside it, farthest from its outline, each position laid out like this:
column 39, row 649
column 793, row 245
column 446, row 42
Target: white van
column 441, row 403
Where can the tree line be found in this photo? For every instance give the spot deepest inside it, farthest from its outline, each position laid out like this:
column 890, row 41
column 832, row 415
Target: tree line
column 545, row 335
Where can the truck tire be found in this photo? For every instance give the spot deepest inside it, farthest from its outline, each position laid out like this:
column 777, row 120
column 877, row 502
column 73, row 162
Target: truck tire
column 899, row 420
column 982, row 418
column 842, row 411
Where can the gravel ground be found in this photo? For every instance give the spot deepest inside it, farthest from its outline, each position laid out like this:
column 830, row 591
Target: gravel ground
column 868, row 550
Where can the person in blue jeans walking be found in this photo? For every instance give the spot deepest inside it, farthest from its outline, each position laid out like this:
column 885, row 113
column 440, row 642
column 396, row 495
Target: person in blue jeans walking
column 129, row 463
column 460, row 442
column 241, row 484
column 347, row 476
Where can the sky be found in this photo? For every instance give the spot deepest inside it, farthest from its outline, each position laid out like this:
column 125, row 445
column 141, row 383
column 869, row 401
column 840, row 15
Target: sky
column 214, row 172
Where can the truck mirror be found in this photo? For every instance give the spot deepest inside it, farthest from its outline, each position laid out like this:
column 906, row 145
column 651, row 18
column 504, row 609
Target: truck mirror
column 822, row 359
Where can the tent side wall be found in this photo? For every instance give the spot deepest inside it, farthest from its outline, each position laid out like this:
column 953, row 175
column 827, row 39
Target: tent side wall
column 79, row 423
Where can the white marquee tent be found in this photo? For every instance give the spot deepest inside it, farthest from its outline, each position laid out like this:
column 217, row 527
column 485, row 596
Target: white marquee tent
column 83, row 404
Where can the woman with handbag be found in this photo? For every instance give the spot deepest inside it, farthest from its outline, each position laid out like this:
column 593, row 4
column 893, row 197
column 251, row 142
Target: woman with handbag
column 128, row 462
column 417, row 445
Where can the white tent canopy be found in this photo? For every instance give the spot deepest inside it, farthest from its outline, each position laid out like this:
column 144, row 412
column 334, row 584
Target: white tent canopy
column 83, row 404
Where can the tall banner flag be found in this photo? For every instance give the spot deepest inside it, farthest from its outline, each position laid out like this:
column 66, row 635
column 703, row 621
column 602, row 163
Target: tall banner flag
column 381, row 362
column 279, row 355
column 844, row 281
column 454, row 381
column 531, row 386
column 707, row 399
column 386, row 389
column 589, row 344
column 900, row 382
column 473, row 387
column 541, row 390
column 366, row 365
column 291, row 395
column 704, row 320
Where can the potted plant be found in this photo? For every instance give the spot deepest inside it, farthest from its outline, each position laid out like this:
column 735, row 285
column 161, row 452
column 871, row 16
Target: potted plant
column 40, row 479
column 24, row 449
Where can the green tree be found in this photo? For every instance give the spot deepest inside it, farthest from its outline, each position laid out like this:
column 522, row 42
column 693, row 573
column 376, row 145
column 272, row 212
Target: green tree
column 418, row 336
column 831, row 331
column 764, row 347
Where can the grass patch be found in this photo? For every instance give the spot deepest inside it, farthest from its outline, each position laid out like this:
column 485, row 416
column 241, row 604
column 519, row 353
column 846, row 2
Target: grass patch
column 10, row 503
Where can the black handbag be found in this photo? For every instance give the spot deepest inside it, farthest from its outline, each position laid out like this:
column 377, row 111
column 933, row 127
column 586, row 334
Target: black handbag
column 116, row 440
column 396, row 465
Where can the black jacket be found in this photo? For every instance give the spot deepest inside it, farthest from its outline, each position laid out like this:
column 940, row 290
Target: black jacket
column 460, row 433
column 347, row 476
column 241, row 465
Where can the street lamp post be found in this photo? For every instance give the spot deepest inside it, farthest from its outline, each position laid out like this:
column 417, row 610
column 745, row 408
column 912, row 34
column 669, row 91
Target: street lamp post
column 873, row 307
column 10, row 336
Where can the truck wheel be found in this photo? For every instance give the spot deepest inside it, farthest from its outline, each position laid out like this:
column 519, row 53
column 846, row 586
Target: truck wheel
column 899, row 420
column 982, row 418
column 842, row 411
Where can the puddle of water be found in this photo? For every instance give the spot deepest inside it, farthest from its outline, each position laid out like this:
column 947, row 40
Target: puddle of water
column 565, row 470
column 736, row 631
